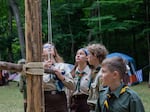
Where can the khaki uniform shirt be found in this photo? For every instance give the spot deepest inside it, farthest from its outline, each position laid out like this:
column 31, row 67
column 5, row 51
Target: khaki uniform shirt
column 84, row 82
column 51, row 82
column 94, row 87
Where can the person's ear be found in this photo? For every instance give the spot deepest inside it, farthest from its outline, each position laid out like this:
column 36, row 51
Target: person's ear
column 115, row 74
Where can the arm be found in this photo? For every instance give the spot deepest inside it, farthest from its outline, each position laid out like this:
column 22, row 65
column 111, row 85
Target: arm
column 66, row 79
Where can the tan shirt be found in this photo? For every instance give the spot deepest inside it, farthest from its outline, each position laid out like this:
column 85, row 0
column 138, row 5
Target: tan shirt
column 94, row 89
column 50, row 81
column 84, row 83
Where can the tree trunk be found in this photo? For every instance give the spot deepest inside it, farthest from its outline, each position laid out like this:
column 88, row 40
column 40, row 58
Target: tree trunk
column 99, row 22
column 10, row 38
column 28, row 67
column 147, row 10
column 10, row 66
column 33, row 36
column 18, row 22
column 72, row 40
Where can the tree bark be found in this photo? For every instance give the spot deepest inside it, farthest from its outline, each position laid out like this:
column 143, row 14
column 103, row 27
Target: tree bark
column 147, row 10
column 72, row 40
column 15, row 11
column 10, row 66
column 19, row 67
column 33, row 36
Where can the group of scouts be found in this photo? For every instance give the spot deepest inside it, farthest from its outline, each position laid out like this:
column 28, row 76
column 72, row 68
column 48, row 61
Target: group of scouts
column 93, row 84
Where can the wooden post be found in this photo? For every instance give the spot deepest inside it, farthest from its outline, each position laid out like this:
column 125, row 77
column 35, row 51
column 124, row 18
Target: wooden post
column 10, row 66
column 33, row 37
column 149, row 80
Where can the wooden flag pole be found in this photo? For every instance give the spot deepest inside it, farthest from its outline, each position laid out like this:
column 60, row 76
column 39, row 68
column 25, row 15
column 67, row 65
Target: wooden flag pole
column 33, row 37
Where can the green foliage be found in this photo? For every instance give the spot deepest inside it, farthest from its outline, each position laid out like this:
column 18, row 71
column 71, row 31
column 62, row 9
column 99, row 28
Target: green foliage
column 118, row 24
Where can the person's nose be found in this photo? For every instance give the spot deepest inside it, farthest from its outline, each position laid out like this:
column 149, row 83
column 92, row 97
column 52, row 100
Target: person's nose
column 78, row 55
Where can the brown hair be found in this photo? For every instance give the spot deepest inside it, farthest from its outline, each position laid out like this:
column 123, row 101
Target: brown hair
column 98, row 50
column 76, row 64
column 73, row 70
column 115, row 64
column 57, row 57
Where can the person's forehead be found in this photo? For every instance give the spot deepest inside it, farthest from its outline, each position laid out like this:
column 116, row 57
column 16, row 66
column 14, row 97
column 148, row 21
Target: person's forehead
column 47, row 46
column 104, row 67
column 45, row 51
column 80, row 51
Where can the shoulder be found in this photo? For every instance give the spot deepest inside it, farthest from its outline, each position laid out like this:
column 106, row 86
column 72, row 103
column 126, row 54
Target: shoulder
column 87, row 69
column 133, row 95
column 135, row 101
column 64, row 66
column 130, row 91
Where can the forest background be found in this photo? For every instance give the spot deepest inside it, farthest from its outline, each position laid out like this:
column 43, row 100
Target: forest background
column 121, row 25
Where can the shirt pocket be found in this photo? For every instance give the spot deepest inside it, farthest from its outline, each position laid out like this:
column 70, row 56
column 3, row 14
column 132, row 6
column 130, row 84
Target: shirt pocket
column 121, row 105
column 120, row 108
column 84, row 84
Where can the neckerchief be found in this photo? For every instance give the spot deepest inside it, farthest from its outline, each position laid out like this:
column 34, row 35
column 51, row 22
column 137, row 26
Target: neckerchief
column 94, row 72
column 58, row 82
column 80, row 75
column 109, row 96
column 93, row 75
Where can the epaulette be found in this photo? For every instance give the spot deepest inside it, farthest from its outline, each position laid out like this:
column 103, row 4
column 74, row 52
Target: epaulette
column 131, row 92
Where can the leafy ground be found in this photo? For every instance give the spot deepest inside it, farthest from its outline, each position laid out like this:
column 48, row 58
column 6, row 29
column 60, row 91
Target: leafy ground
column 11, row 100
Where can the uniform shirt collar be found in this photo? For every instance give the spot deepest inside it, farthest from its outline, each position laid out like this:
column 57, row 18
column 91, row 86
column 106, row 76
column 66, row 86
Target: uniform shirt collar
column 116, row 93
column 86, row 70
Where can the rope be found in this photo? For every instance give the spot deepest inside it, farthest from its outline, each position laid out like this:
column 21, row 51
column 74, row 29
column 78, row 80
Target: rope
column 49, row 26
column 49, row 23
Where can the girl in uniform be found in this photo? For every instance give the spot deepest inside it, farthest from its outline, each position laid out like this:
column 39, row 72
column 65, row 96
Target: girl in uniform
column 81, row 74
column 97, row 53
column 55, row 82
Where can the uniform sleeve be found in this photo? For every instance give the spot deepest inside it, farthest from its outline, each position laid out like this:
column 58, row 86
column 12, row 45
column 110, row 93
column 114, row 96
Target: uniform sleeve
column 136, row 104
column 65, row 71
column 69, row 82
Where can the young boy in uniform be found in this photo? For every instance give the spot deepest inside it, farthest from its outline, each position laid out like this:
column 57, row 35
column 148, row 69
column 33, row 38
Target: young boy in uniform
column 116, row 97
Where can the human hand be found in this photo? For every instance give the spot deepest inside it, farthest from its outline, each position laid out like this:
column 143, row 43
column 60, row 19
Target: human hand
column 48, row 64
column 58, row 73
